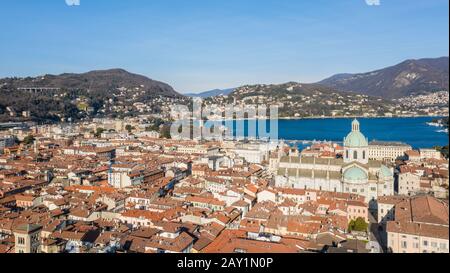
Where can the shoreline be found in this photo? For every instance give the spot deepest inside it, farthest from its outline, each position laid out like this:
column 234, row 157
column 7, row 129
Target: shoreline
column 336, row 117
column 359, row 116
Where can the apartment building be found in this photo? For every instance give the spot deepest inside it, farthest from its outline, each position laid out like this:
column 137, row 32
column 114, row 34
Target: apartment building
column 420, row 225
column 389, row 151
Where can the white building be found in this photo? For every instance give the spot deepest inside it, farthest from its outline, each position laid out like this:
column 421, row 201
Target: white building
column 151, row 134
column 430, row 154
column 387, row 151
column 123, row 176
column 254, row 156
column 408, row 183
column 198, row 149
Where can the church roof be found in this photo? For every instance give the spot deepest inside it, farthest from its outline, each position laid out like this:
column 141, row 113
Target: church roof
column 355, row 174
column 356, row 139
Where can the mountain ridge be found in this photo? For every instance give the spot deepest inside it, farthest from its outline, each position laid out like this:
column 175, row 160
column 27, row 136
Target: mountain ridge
column 93, row 80
column 51, row 98
column 410, row 77
column 212, row 93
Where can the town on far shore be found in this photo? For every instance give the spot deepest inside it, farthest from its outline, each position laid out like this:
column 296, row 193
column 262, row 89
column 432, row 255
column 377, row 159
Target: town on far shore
column 123, row 186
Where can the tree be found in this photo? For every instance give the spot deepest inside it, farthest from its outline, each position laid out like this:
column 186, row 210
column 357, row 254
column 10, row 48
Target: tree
column 28, row 140
column 165, row 132
column 129, row 128
column 444, row 150
column 358, row 225
column 99, row 132
column 155, row 125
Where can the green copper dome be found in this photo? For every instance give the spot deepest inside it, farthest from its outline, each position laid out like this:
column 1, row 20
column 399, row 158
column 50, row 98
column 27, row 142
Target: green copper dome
column 385, row 172
column 356, row 139
column 355, row 174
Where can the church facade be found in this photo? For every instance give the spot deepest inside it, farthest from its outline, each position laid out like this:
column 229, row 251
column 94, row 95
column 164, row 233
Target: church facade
column 354, row 173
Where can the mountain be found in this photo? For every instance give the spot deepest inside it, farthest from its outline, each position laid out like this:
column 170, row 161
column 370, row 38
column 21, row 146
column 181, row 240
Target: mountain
column 113, row 92
column 411, row 77
column 212, row 93
column 306, row 100
column 95, row 81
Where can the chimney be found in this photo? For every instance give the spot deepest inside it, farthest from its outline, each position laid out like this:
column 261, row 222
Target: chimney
column 261, row 228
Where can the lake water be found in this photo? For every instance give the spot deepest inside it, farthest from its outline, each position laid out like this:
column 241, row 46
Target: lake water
column 413, row 131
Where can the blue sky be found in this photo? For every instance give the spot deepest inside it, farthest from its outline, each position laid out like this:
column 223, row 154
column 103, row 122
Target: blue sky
column 197, row 45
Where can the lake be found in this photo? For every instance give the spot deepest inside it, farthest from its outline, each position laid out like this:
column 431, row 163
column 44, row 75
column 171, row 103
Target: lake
column 413, row 131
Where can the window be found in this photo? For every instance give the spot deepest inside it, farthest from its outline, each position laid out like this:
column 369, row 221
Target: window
column 433, row 244
column 21, row 241
column 346, row 154
column 364, row 154
column 355, row 155
column 404, row 244
column 425, row 243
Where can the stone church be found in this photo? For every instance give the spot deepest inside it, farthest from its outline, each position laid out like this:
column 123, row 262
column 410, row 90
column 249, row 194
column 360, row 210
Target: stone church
column 354, row 173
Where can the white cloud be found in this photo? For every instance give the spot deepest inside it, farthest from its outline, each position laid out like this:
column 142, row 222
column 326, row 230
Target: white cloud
column 73, row 2
column 373, row 2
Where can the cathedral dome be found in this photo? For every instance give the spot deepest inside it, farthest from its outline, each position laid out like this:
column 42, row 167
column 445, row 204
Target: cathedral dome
column 355, row 174
column 356, row 139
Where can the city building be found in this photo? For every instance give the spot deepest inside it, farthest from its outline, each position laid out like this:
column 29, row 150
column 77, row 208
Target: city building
column 5, row 142
column 124, row 175
column 430, row 154
column 387, row 151
column 27, row 238
column 420, row 225
column 73, row 192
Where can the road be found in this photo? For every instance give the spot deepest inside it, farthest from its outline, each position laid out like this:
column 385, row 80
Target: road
column 377, row 237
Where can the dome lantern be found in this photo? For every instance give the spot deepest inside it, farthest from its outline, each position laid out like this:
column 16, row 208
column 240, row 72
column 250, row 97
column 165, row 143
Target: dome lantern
column 356, row 139
column 355, row 126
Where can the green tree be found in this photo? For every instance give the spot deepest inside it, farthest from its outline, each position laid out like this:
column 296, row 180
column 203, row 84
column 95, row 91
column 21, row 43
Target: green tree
column 129, row 128
column 28, row 140
column 165, row 132
column 358, row 225
column 444, row 150
column 99, row 132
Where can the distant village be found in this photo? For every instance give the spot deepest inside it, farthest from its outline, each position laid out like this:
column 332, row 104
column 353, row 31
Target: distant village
column 291, row 101
column 117, row 186
column 295, row 104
